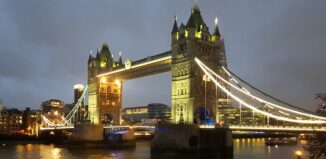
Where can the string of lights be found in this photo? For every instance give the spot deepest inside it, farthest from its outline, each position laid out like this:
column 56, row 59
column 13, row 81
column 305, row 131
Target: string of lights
column 209, row 73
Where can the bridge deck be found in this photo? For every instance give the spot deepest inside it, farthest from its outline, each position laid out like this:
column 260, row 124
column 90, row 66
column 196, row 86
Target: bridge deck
column 232, row 127
column 144, row 67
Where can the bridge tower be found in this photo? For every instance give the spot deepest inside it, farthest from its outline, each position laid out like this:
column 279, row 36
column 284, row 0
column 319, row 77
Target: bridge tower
column 104, row 94
column 188, row 87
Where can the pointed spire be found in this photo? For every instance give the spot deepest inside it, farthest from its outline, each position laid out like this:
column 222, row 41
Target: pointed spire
column 98, row 54
column 175, row 25
column 90, row 53
column 216, row 21
column 120, row 58
column 195, row 19
column 105, row 53
column 90, row 58
column 216, row 30
column 195, row 7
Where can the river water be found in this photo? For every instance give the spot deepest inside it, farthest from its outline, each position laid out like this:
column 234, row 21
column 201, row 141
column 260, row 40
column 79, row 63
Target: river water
column 243, row 149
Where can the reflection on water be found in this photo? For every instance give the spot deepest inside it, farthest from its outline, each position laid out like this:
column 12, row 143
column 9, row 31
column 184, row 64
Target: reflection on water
column 243, row 149
column 256, row 149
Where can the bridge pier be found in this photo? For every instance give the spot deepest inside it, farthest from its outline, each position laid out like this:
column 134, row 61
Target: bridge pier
column 87, row 132
column 190, row 141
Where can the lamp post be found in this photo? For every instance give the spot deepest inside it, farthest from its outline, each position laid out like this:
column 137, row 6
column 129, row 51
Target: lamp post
column 240, row 120
column 206, row 79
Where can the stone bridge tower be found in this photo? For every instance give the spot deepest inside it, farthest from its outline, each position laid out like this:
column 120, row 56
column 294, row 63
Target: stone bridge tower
column 104, row 94
column 188, row 87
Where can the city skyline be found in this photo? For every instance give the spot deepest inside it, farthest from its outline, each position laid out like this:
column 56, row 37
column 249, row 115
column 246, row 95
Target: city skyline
column 266, row 44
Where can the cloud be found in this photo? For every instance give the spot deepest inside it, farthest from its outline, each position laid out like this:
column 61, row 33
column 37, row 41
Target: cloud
column 277, row 46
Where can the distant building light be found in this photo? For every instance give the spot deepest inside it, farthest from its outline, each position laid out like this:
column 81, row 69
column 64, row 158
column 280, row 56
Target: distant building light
column 79, row 86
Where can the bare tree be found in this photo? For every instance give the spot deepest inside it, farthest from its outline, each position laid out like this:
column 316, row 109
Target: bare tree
column 322, row 103
column 317, row 145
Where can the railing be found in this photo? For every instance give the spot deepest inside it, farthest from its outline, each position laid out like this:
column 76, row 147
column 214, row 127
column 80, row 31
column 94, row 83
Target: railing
column 277, row 128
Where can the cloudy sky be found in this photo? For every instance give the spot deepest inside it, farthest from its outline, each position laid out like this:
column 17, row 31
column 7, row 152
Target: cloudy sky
column 277, row 46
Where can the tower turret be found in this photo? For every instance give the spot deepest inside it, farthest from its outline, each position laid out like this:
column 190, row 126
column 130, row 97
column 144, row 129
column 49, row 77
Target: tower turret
column 187, row 82
column 106, row 60
column 90, row 58
column 120, row 63
column 195, row 21
column 175, row 31
column 216, row 34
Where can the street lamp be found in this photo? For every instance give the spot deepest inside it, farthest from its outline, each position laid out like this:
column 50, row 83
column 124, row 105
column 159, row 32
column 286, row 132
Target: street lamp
column 56, row 113
column 103, row 80
column 298, row 154
column 206, row 79
column 117, row 82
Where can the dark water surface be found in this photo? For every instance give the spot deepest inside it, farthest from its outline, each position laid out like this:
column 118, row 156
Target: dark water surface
column 243, row 149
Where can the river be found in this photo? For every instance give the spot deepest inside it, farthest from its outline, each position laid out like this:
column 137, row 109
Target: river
column 243, row 149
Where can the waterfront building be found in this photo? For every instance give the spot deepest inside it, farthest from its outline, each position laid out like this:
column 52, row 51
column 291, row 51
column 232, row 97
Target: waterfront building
column 157, row 111
column 51, row 105
column 53, row 110
column 81, row 114
column 78, row 91
column 11, row 121
column 31, row 121
column 231, row 115
column 228, row 115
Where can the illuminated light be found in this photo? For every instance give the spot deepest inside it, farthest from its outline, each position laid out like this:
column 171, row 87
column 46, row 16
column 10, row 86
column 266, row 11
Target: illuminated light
column 206, row 78
column 103, row 64
column 269, row 106
column 56, row 152
column 261, row 100
column 52, row 133
column 186, row 33
column 177, row 36
column 213, row 39
column 53, row 128
column 216, row 21
column 233, row 127
column 117, row 82
column 298, row 153
column 103, row 80
column 276, row 146
column 284, row 113
column 235, row 81
column 206, row 126
column 135, row 66
column 252, row 96
column 56, row 113
column 198, row 34
column 79, row 86
column 203, row 67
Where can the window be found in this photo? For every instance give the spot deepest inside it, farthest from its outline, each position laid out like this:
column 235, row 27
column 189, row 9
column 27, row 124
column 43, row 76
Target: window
column 108, row 89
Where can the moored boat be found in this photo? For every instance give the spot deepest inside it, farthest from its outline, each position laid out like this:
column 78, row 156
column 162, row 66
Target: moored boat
column 281, row 142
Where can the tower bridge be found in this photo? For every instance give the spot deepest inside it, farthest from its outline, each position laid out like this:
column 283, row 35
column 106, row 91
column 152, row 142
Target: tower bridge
column 201, row 83
column 190, row 40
